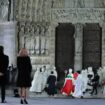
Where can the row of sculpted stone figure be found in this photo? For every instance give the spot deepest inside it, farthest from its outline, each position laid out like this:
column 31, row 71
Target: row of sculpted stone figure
column 36, row 45
column 33, row 28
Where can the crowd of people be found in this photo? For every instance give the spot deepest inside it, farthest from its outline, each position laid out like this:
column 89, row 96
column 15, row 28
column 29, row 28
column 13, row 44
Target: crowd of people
column 76, row 83
column 24, row 73
column 45, row 79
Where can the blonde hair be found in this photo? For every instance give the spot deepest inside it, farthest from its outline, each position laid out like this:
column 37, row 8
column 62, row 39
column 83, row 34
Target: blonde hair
column 23, row 52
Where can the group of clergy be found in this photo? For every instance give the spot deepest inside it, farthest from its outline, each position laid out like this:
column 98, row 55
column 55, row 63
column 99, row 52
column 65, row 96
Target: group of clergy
column 42, row 78
column 78, row 83
column 73, row 84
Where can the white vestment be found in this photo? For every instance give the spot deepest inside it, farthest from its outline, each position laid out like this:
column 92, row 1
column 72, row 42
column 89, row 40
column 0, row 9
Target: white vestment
column 45, row 76
column 78, row 91
column 37, row 82
column 85, row 79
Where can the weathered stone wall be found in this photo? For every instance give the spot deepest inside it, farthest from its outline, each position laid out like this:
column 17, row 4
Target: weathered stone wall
column 8, row 40
column 36, row 37
column 34, row 31
column 79, row 17
column 33, row 10
column 84, row 4
column 36, row 15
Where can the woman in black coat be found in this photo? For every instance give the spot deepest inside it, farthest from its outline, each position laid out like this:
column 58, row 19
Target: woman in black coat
column 24, row 74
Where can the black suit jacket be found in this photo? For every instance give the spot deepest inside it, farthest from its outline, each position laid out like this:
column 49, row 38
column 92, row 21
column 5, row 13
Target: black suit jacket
column 4, row 62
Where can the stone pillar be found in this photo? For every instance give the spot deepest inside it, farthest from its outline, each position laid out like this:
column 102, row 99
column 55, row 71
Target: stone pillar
column 103, row 44
column 8, row 40
column 78, row 46
column 52, row 43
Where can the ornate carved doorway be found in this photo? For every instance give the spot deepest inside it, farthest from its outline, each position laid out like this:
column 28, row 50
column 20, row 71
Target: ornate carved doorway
column 64, row 52
column 92, row 46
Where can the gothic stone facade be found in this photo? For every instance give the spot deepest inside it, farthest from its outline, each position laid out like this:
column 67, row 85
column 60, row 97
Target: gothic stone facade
column 37, row 21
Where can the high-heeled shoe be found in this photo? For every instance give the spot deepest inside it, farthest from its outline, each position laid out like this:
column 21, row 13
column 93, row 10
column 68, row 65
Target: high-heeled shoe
column 21, row 101
column 25, row 101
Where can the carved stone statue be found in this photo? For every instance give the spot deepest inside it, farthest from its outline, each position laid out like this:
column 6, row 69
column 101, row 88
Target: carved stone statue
column 80, row 3
column 4, row 5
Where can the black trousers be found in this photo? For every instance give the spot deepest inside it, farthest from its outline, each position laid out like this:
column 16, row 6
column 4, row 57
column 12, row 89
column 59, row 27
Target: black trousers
column 94, row 90
column 2, row 85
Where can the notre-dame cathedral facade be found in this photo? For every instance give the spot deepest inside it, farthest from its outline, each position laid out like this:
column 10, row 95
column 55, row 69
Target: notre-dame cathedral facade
column 64, row 33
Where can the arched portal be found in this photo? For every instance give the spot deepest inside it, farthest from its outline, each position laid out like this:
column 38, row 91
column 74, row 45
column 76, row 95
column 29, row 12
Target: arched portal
column 92, row 36
column 64, row 51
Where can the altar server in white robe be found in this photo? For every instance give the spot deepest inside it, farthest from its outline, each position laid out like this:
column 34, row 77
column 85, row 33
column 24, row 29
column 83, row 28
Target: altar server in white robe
column 78, row 91
column 45, row 76
column 37, row 81
column 85, row 79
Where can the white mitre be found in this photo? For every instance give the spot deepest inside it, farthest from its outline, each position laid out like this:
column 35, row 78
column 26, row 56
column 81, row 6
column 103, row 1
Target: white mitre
column 70, row 70
column 90, row 71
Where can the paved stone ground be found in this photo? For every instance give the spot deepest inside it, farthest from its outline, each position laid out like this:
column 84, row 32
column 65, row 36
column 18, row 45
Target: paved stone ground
column 59, row 99
column 54, row 101
column 9, row 92
column 59, row 95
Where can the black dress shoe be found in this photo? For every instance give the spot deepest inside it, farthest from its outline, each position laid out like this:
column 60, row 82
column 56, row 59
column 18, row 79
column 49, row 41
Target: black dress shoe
column 25, row 101
column 4, row 101
column 21, row 101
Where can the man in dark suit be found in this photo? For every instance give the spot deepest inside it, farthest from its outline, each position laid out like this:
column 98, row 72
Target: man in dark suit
column 4, row 61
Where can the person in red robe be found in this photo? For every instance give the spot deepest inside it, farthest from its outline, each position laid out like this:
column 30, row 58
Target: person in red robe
column 67, row 89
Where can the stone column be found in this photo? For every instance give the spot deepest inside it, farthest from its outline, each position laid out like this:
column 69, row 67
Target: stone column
column 8, row 40
column 103, row 44
column 78, row 46
column 52, row 43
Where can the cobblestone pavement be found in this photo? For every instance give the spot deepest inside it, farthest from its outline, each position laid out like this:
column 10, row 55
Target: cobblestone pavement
column 54, row 101
column 59, row 95
column 59, row 99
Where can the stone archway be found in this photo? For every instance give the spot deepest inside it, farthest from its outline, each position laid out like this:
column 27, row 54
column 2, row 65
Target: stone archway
column 92, row 38
column 81, row 16
column 65, row 48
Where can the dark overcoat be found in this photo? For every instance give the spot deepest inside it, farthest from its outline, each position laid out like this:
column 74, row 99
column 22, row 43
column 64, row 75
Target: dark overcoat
column 4, row 62
column 51, row 81
column 24, row 71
